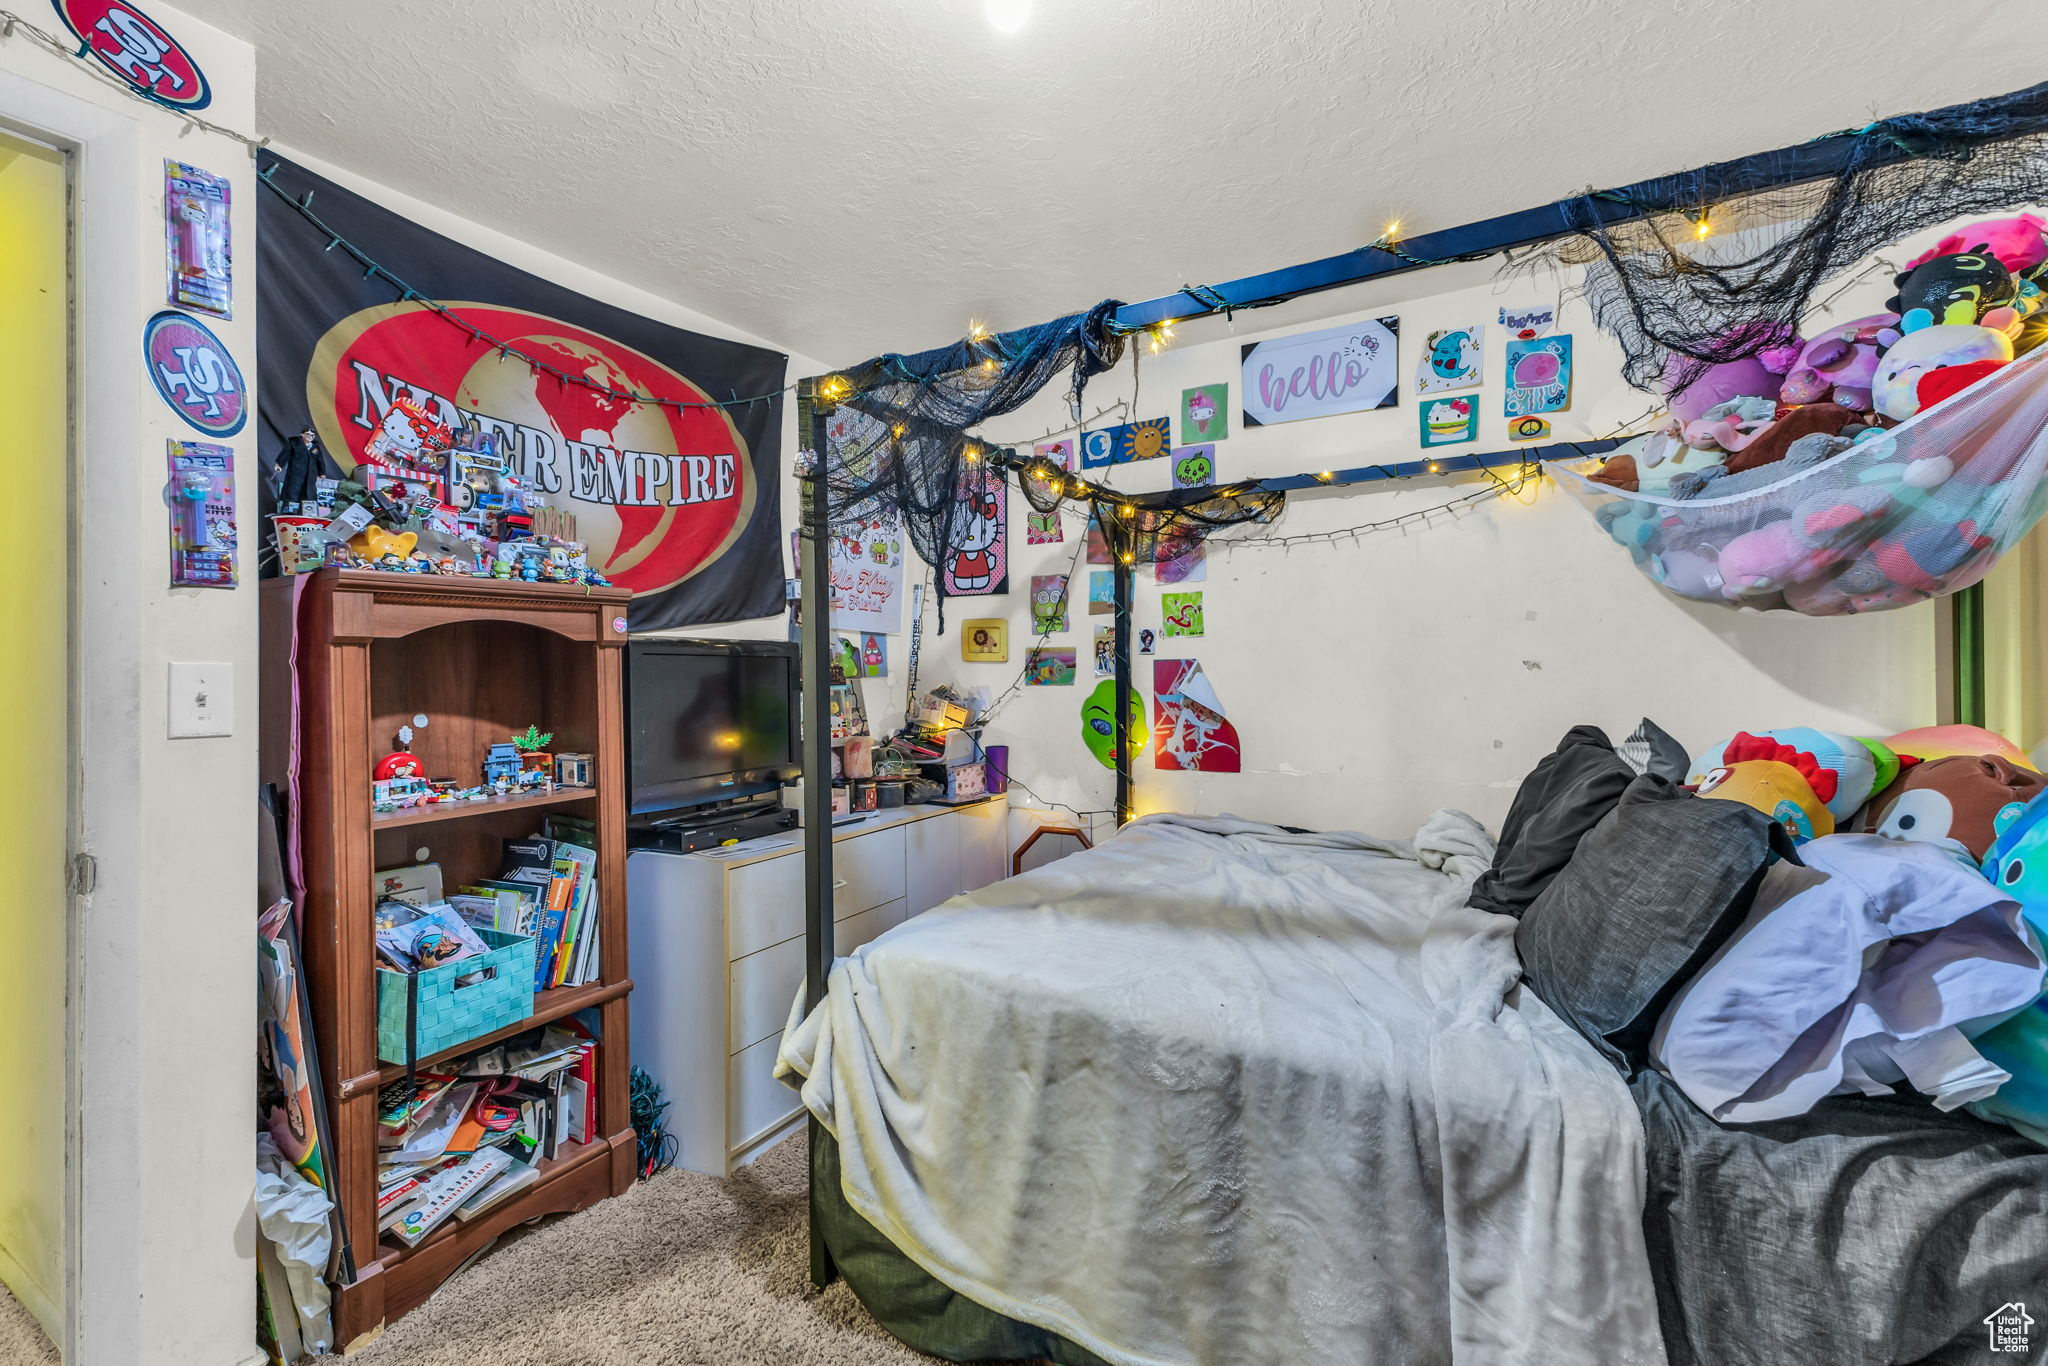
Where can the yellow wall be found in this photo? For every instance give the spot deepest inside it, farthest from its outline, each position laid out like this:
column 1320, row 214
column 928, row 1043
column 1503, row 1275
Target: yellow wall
column 34, row 395
column 2016, row 642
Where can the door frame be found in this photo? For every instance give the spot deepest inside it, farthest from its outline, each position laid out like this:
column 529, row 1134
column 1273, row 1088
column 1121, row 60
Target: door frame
column 104, row 1241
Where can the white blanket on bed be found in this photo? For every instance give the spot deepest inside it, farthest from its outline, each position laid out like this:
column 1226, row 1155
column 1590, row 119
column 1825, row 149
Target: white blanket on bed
column 1215, row 1093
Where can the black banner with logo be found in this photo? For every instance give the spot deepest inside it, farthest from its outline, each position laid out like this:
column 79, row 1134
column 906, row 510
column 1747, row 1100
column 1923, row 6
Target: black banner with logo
column 678, row 504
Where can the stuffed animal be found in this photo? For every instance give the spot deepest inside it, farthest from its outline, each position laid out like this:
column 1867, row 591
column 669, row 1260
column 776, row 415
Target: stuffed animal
column 1928, row 743
column 2020, row 243
column 2017, row 865
column 1962, row 287
column 1895, row 388
column 1749, row 377
column 1838, row 365
column 1769, row 444
column 1729, row 425
column 1838, row 768
column 1689, row 571
column 1778, row 790
column 1954, row 802
column 1939, row 549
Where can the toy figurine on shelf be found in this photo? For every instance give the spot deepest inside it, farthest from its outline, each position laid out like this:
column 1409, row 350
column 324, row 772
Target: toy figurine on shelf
column 501, row 762
column 400, row 762
column 297, row 469
column 533, row 753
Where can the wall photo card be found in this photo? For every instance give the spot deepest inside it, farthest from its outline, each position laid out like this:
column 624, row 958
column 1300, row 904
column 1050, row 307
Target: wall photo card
column 1194, row 466
column 1048, row 603
column 1204, row 414
column 978, row 560
column 1049, row 666
column 1449, row 421
column 1450, row 359
column 1539, row 376
column 1043, row 528
column 1182, row 613
column 1101, row 592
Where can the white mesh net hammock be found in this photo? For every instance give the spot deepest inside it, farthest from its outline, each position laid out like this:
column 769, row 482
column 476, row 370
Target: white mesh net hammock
column 1916, row 512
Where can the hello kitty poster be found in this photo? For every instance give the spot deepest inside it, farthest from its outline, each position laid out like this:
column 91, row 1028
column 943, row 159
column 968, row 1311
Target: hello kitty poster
column 978, row 560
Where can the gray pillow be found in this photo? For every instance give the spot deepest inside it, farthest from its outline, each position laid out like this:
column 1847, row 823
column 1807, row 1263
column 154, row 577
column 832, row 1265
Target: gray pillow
column 1651, row 749
column 1567, row 792
column 1653, row 890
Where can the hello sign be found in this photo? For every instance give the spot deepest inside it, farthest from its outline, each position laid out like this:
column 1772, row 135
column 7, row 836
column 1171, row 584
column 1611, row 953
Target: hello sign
column 1315, row 374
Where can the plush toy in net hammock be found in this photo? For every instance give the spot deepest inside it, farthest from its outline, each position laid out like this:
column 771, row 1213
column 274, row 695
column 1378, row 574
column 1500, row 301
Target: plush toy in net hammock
column 1847, row 518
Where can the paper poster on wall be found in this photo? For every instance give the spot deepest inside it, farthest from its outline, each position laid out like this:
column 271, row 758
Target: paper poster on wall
column 1182, row 613
column 1098, row 447
column 1449, row 421
column 197, row 254
column 1105, row 651
column 1043, row 528
column 863, row 656
column 978, row 562
column 1147, row 440
column 1527, row 324
column 1049, row 666
column 1194, row 466
column 1316, row 374
column 1048, row 603
column 1204, row 414
column 1190, row 731
column 1098, row 544
column 1450, row 359
column 867, row 572
column 1539, row 376
column 1060, row 453
column 1180, row 560
column 1101, row 592
column 202, row 499
column 985, row 640
column 1528, row 429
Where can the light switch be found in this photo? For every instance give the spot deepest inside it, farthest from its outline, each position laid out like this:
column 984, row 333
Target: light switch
column 202, row 700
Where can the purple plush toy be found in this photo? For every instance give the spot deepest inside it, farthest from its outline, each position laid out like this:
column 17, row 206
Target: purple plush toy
column 1837, row 366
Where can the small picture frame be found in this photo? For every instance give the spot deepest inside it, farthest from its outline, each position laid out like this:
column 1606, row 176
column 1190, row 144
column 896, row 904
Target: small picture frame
column 573, row 770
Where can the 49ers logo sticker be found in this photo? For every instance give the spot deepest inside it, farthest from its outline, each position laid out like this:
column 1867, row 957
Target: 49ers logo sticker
column 194, row 373
column 137, row 49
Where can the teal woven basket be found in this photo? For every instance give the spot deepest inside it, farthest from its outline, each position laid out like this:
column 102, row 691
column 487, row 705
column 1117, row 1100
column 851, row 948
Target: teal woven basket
column 445, row 1014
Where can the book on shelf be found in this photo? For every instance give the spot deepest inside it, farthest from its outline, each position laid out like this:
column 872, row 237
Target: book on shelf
column 516, row 1177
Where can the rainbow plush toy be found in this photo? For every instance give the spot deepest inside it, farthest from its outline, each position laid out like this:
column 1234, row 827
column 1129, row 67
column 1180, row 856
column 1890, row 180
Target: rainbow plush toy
column 1939, row 742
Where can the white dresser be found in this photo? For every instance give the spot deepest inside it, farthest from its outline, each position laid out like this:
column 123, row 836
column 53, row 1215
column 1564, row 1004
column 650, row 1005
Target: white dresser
column 718, row 954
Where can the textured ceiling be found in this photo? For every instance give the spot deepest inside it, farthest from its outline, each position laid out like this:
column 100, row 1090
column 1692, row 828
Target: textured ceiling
column 850, row 176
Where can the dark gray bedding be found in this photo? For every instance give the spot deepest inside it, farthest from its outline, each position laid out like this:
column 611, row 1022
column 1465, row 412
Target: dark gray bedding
column 1866, row 1233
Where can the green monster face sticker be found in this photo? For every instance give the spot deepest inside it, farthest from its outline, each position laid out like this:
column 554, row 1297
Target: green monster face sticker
column 1192, row 471
column 1098, row 723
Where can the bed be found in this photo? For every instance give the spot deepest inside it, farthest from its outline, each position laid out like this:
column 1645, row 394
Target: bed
column 1216, row 1091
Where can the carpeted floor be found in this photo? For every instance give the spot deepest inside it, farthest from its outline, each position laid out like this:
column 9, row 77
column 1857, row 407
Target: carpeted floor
column 22, row 1342
column 684, row 1269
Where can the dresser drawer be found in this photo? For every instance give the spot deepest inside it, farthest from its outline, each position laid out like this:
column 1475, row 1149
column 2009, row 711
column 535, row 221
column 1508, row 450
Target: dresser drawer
column 755, row 1102
column 766, row 899
column 762, row 986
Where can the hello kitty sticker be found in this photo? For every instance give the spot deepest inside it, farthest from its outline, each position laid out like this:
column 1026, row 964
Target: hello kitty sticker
column 978, row 559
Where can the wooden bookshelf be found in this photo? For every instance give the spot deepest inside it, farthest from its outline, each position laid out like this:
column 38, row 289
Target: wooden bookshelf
column 481, row 659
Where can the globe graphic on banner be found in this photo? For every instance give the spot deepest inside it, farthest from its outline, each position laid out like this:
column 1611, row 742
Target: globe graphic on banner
column 658, row 491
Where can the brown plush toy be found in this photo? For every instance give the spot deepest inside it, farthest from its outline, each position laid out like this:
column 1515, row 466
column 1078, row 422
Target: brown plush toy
column 1953, row 802
column 1773, row 441
column 1619, row 472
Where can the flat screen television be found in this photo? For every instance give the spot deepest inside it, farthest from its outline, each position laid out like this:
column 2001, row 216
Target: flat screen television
column 709, row 721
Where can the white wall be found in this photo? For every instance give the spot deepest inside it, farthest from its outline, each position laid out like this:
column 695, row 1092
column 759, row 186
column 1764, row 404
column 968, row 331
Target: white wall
column 1374, row 680
column 164, row 1006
